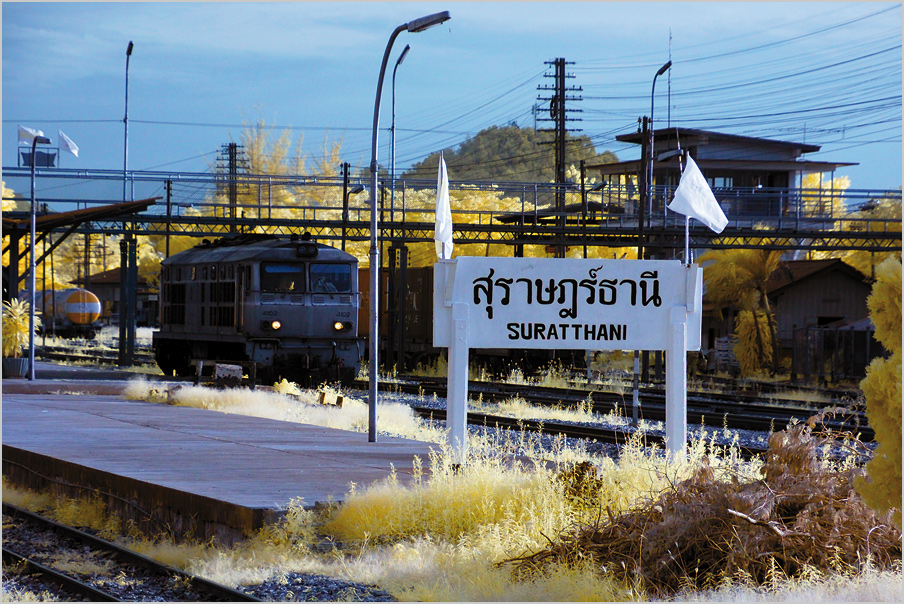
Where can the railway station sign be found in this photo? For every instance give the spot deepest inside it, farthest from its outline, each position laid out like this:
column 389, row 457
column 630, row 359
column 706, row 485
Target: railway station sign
column 549, row 303
column 556, row 303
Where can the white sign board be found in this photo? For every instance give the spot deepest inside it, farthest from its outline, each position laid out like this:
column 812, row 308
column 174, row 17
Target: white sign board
column 581, row 304
column 566, row 304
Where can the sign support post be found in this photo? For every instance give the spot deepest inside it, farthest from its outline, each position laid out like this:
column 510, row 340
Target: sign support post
column 676, row 383
column 457, row 402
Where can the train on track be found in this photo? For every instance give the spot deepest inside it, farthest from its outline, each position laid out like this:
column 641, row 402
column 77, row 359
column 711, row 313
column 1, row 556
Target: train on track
column 300, row 310
column 68, row 313
column 290, row 305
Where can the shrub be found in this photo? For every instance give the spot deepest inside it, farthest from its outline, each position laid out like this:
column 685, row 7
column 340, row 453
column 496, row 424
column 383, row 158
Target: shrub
column 882, row 390
column 15, row 327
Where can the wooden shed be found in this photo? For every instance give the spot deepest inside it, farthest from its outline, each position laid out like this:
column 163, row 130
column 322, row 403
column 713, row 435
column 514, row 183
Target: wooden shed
column 816, row 293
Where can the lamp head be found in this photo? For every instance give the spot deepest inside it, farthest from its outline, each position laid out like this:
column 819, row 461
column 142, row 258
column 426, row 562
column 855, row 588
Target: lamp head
column 129, row 49
column 356, row 189
column 43, row 140
column 663, row 69
column 428, row 21
column 404, row 54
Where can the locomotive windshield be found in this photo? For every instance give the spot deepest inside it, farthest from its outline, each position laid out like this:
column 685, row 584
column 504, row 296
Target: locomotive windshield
column 331, row 278
column 282, row 277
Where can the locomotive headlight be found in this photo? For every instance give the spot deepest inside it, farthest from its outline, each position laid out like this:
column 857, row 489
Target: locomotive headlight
column 270, row 325
column 275, row 325
column 342, row 325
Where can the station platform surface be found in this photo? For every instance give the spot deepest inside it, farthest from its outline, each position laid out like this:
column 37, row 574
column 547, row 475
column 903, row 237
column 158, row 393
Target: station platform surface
column 196, row 471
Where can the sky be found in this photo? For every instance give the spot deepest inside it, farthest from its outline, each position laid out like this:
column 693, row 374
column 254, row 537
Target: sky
column 821, row 73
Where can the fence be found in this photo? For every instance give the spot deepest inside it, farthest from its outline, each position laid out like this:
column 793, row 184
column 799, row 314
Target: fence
column 833, row 354
column 261, row 196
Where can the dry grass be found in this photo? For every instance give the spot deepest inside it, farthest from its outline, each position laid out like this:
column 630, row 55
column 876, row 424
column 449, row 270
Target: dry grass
column 291, row 404
column 801, row 518
column 23, row 595
column 444, row 536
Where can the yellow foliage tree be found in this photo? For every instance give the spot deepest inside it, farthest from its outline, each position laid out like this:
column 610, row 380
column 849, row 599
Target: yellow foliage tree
column 753, row 344
column 737, row 277
column 821, row 197
column 884, row 215
column 9, row 201
column 882, row 390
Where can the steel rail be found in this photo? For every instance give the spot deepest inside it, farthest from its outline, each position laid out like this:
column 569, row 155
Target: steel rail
column 65, row 582
column 131, row 557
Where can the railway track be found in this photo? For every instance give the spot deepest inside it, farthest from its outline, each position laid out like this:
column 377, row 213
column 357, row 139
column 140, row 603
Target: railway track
column 100, row 357
column 33, row 543
column 715, row 410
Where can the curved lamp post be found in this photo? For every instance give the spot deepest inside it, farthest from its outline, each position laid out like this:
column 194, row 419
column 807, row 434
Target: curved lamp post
column 353, row 191
column 125, row 120
column 392, row 137
column 661, row 71
column 415, row 26
column 32, row 281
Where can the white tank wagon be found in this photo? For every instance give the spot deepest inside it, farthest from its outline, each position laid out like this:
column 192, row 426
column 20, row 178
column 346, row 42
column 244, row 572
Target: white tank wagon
column 289, row 305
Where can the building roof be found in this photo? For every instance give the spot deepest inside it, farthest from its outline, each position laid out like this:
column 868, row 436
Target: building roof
column 48, row 222
column 632, row 166
column 683, row 134
column 792, row 272
column 109, row 277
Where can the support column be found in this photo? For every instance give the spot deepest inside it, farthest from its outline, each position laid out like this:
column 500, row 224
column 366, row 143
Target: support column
column 676, row 383
column 457, row 401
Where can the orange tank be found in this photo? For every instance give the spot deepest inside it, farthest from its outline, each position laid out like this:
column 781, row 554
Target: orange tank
column 76, row 306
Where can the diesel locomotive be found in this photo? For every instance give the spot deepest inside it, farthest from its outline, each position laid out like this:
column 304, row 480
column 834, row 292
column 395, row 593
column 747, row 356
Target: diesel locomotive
column 288, row 304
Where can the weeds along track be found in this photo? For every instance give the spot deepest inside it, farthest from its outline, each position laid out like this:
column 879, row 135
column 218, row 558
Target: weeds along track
column 598, row 434
column 45, row 555
column 736, row 411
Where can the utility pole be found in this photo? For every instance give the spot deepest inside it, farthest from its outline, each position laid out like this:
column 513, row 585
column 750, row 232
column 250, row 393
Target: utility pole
column 558, row 114
column 233, row 157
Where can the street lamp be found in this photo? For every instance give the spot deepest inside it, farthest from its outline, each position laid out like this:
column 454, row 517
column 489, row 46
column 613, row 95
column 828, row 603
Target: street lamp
column 661, row 71
column 32, row 282
column 392, row 137
column 353, row 191
column 125, row 120
column 415, row 26
column 125, row 297
column 649, row 193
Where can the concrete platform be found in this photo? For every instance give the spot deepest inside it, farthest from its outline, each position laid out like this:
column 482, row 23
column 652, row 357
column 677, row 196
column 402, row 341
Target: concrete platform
column 195, row 471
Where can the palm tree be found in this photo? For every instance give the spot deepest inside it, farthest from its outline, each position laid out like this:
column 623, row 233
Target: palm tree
column 738, row 278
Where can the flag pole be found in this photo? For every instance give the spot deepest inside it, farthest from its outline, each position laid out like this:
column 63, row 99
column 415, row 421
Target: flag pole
column 687, row 236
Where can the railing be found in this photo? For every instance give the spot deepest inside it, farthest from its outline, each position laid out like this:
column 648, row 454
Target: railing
column 309, row 198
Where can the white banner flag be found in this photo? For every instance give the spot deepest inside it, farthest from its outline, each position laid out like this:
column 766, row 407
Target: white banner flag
column 443, row 233
column 694, row 198
column 66, row 144
column 26, row 135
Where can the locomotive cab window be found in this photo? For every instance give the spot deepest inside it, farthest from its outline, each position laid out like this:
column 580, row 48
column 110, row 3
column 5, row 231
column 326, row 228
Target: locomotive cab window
column 331, row 278
column 282, row 277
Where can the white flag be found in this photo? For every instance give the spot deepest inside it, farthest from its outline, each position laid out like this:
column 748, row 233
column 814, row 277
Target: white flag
column 66, row 144
column 694, row 198
column 443, row 233
column 26, row 135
